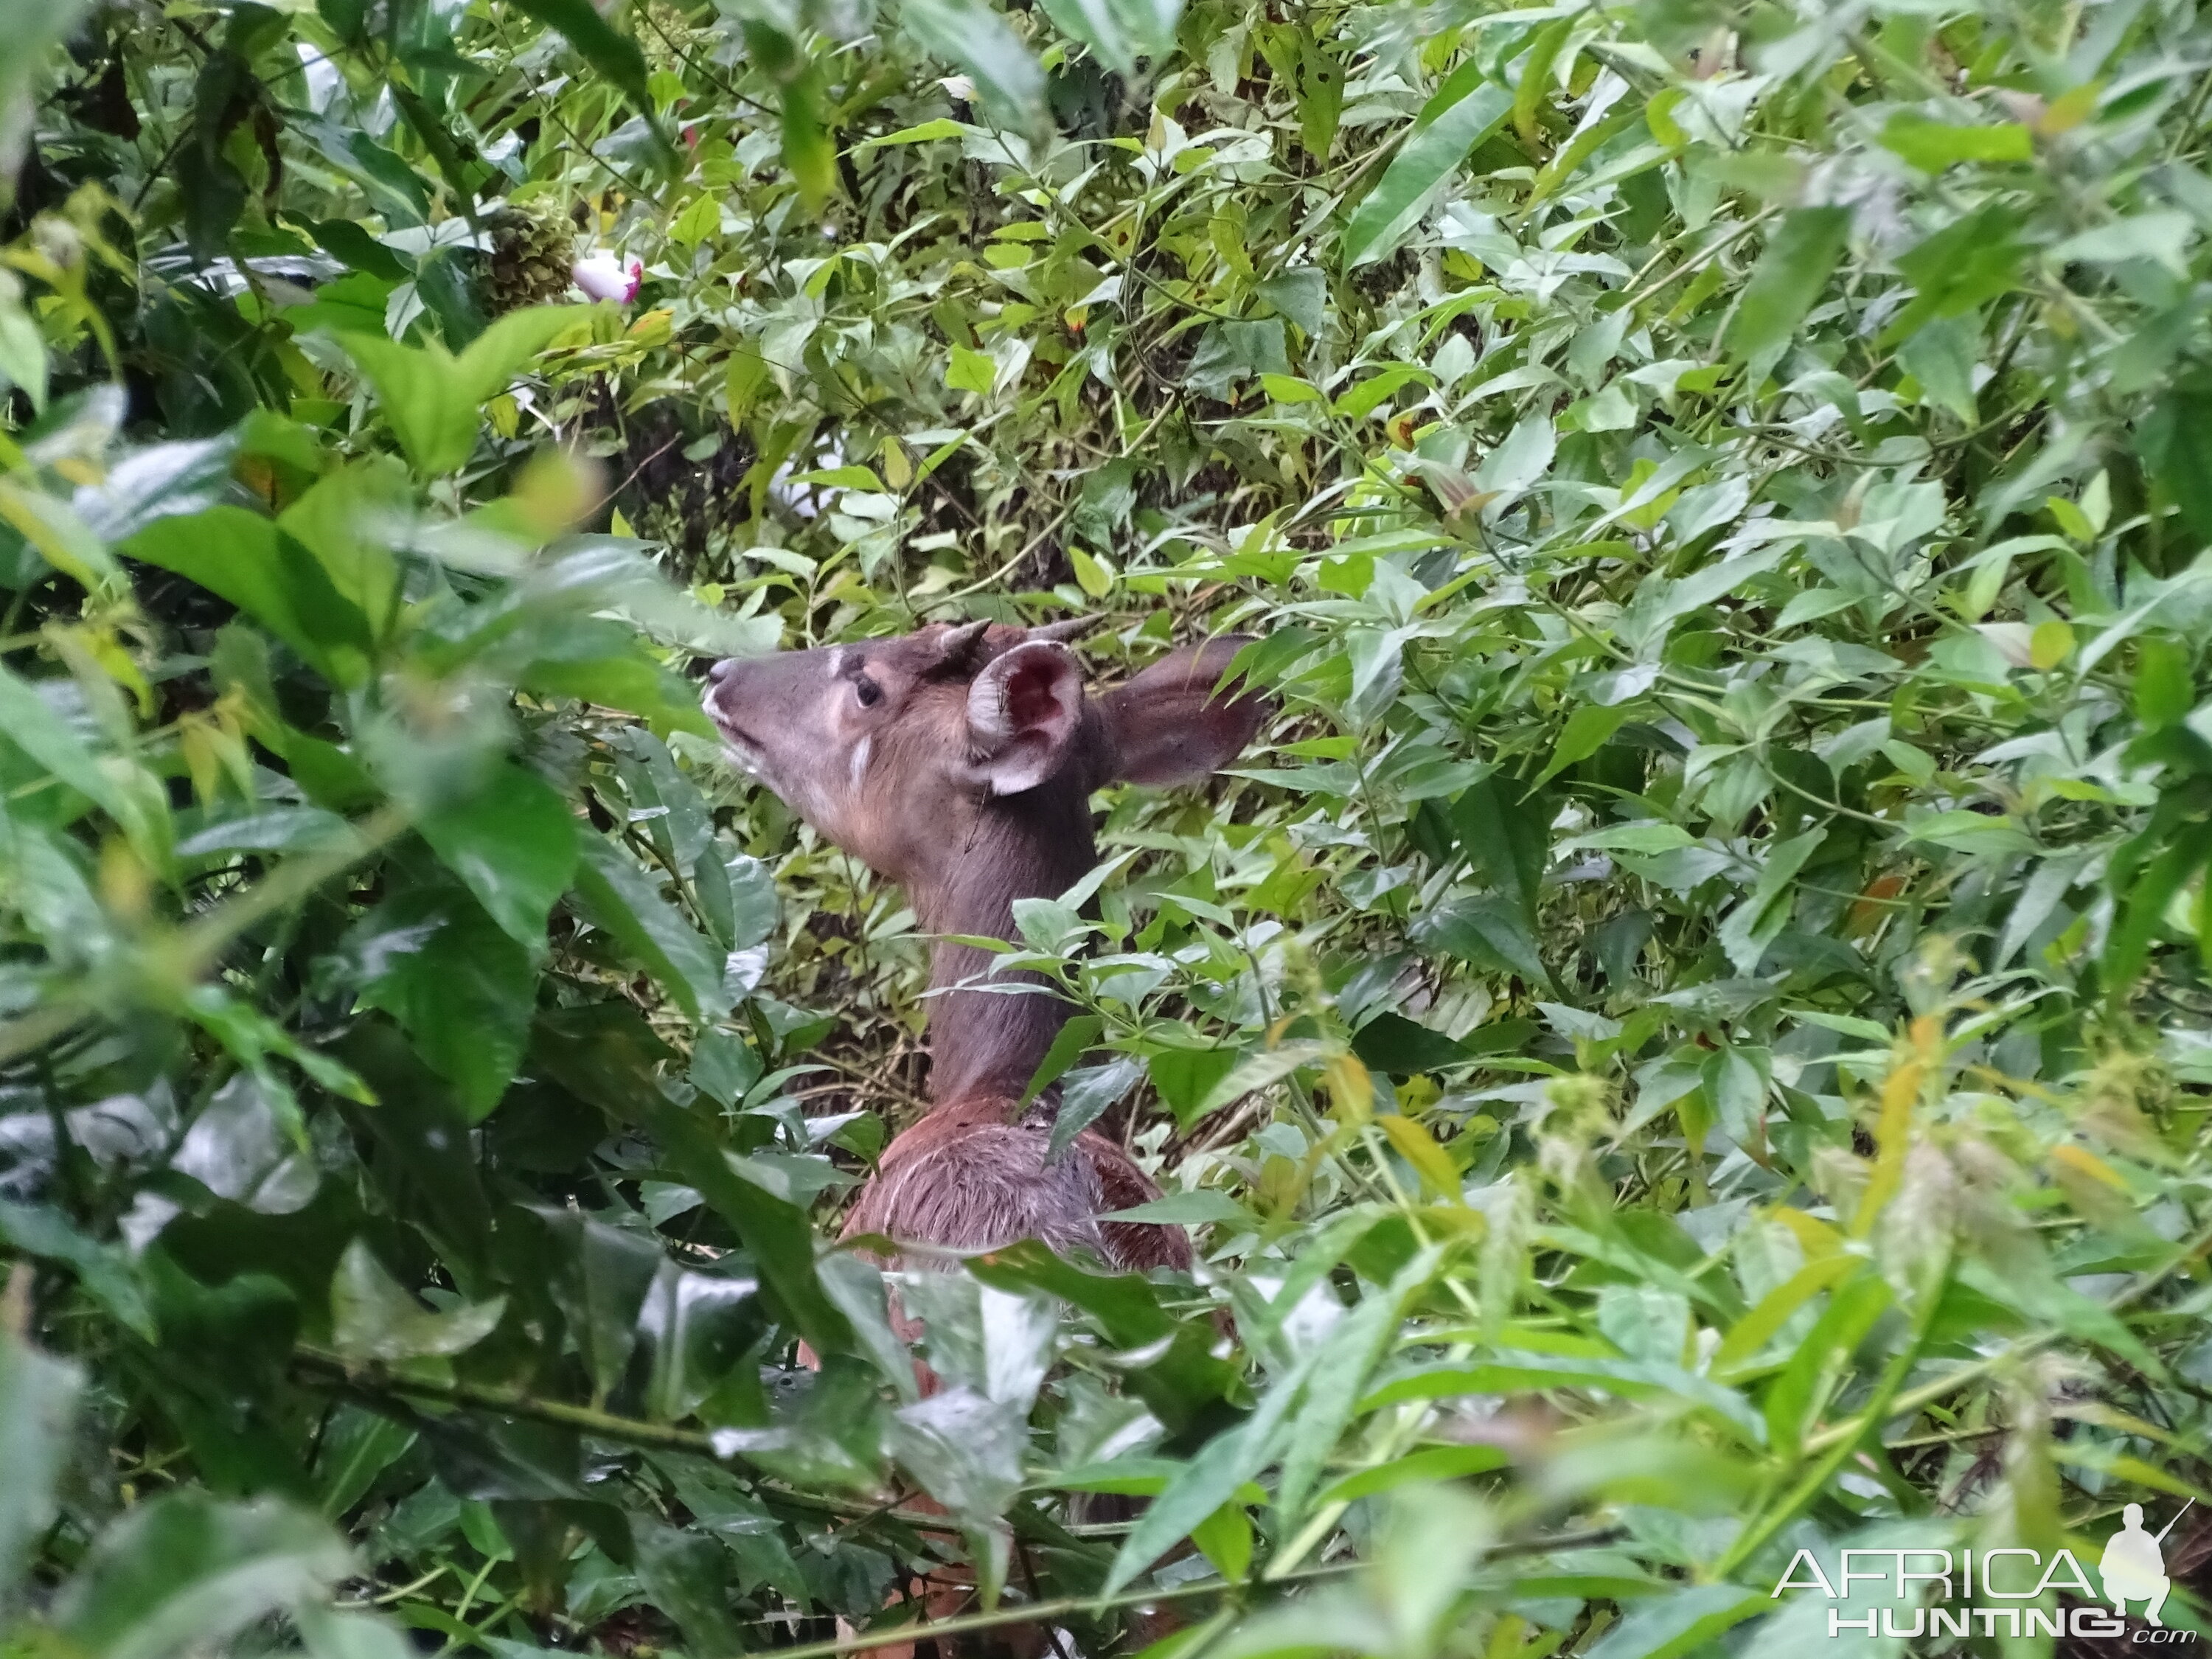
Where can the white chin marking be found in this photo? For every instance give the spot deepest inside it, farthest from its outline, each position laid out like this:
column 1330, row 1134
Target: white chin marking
column 743, row 756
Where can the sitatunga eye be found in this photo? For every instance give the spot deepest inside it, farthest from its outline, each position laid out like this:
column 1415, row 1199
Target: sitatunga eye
column 868, row 692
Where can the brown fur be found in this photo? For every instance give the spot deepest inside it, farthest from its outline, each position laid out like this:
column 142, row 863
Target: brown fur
column 960, row 763
column 908, row 781
column 970, row 1177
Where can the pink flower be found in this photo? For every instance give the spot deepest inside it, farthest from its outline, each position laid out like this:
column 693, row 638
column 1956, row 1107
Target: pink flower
column 602, row 277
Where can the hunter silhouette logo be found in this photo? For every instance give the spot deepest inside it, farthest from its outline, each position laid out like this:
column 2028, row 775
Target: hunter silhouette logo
column 1984, row 1592
column 2134, row 1566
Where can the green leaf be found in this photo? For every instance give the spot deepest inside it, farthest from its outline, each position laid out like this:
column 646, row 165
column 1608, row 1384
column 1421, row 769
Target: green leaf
column 1320, row 98
column 1587, row 730
column 2148, row 892
column 971, row 371
column 1367, row 397
column 1941, row 355
column 1352, row 1350
column 33, row 32
column 842, row 478
column 1985, row 834
column 105, row 1271
column 1932, row 146
column 1186, row 1077
column 1119, row 31
column 155, row 482
column 1391, row 1042
column 37, row 1406
column 2031, row 1284
column 23, row 356
column 341, row 519
column 1085, row 1095
column 809, row 149
column 28, row 722
column 622, row 898
column 857, row 1290
column 432, row 398
column 600, row 1277
column 1193, row 1209
column 2176, row 442
column 965, row 1448
column 2163, row 693
column 356, row 1448
column 1067, row 1047
column 927, row 132
column 1646, row 837
column 774, row 1231
column 416, row 387
column 701, row 217
column 1504, row 832
column 1683, row 1621
column 1535, row 84
column 1858, row 1301
column 614, row 56
column 1210, row 1479
column 374, row 1317
column 1519, row 460
column 1225, row 1538
column 1508, row 1372
column 352, row 243
column 1753, row 925
column 53, row 528
column 686, row 1573
column 464, row 995
column 630, row 681
column 1489, row 932
column 249, row 561
column 1787, row 283
column 514, row 845
column 1463, row 112
column 1971, row 259
column 1751, row 1333
column 1091, row 575
column 1178, row 1376
column 1230, row 352
column 183, row 1571
column 1251, row 1073
column 497, row 355
column 972, row 34
column 1433, row 1463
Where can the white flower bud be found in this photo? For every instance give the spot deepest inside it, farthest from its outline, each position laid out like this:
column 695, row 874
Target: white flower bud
column 602, row 277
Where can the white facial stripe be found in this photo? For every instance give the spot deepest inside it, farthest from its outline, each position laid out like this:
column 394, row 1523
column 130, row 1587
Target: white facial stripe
column 837, row 662
column 859, row 767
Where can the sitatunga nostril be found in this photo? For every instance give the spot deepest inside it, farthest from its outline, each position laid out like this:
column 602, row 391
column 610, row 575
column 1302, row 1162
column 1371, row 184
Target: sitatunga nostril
column 720, row 671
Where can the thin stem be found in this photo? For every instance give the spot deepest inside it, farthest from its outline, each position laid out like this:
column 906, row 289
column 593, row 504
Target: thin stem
column 188, row 954
column 318, row 1367
column 2020, row 1348
column 1037, row 1612
column 387, row 1597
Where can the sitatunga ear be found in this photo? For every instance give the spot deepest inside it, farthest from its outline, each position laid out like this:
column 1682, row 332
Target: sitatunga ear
column 1168, row 727
column 1024, row 710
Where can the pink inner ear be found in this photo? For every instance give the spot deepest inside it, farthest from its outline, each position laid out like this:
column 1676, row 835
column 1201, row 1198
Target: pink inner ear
column 1032, row 688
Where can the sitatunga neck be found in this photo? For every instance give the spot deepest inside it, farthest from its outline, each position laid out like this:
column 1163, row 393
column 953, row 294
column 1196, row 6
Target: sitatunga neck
column 987, row 1040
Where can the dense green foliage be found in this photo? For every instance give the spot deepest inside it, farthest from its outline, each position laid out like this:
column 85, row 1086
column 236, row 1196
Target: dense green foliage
column 1691, row 1041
